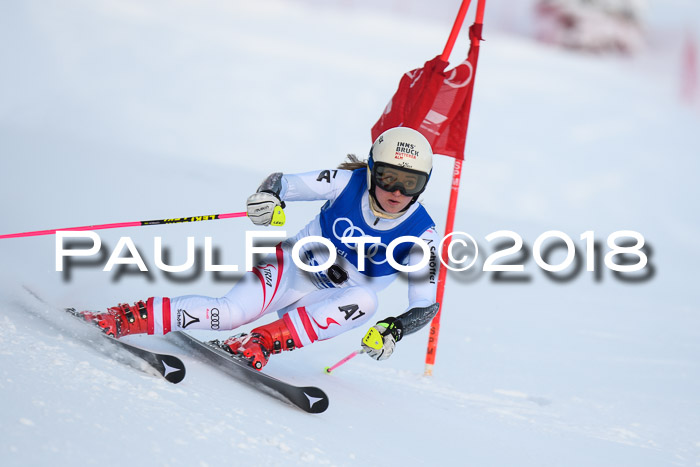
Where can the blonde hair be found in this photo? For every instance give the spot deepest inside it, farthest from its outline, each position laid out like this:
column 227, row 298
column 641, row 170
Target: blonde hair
column 352, row 163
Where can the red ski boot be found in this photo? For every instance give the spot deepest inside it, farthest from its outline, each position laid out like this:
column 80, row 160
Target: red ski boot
column 257, row 346
column 121, row 320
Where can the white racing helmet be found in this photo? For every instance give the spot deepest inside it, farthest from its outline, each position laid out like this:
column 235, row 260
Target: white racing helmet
column 400, row 159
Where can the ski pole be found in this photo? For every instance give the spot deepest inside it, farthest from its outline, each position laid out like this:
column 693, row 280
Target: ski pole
column 345, row 360
column 133, row 224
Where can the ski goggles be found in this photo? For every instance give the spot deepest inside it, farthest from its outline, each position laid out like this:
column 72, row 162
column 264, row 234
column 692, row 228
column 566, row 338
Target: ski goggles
column 391, row 178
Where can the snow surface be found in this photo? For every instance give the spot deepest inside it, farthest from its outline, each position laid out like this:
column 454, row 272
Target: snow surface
column 118, row 111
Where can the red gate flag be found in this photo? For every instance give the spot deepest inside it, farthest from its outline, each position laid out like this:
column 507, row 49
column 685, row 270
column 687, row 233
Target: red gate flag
column 435, row 102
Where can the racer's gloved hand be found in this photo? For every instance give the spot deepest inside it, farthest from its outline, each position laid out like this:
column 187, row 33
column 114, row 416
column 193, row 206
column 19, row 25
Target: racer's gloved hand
column 380, row 340
column 261, row 206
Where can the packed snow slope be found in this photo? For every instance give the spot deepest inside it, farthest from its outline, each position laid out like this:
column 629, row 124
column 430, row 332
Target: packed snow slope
column 118, row 111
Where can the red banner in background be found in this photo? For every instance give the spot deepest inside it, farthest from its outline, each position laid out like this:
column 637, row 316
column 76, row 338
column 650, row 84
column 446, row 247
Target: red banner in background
column 435, row 102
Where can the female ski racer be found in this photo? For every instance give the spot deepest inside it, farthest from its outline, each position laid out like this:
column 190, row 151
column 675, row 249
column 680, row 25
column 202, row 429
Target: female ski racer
column 376, row 199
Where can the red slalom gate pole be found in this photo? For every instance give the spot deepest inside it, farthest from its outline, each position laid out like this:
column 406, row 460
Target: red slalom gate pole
column 442, row 275
column 178, row 220
column 456, row 27
column 475, row 36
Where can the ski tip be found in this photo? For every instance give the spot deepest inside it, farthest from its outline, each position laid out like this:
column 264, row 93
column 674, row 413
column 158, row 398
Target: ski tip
column 173, row 370
column 317, row 400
